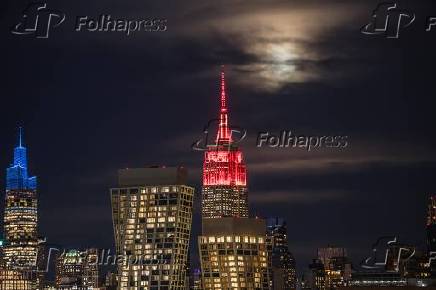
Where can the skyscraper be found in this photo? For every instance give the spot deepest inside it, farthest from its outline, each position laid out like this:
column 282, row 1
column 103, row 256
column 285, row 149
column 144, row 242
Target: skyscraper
column 431, row 232
column 232, row 246
column 431, row 224
column 233, row 254
column 20, row 218
column 315, row 277
column 224, row 191
column 337, row 267
column 77, row 269
column 283, row 273
column 327, row 253
column 152, row 217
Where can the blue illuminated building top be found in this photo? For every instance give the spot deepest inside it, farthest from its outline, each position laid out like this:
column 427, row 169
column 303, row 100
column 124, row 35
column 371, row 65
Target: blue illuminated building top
column 17, row 176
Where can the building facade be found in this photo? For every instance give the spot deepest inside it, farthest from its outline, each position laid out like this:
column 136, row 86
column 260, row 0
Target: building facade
column 152, row 217
column 69, row 270
column 337, row 267
column 77, row 270
column 11, row 279
column 234, row 254
column 314, row 278
column 20, row 224
column 232, row 246
column 431, row 233
column 431, row 223
column 282, row 262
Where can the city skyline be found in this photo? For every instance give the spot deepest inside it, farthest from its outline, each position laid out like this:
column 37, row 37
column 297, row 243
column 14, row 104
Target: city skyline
column 20, row 159
column 92, row 103
column 16, row 159
column 141, row 218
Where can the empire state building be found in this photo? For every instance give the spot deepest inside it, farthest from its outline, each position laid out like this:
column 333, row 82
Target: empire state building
column 232, row 246
column 224, row 191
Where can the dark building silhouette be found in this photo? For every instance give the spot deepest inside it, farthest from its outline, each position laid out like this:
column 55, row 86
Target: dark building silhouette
column 282, row 262
column 337, row 267
column 314, row 278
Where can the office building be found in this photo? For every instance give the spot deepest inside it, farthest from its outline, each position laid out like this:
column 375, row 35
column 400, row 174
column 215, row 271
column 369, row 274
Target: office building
column 20, row 224
column 77, row 269
column 110, row 282
column 315, row 277
column 327, row 253
column 431, row 233
column 282, row 262
column 337, row 267
column 234, row 254
column 15, row 280
column 431, row 224
column 152, row 217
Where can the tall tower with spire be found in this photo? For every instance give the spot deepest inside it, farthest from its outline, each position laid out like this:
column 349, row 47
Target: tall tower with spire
column 233, row 250
column 17, row 175
column 224, row 191
column 20, row 214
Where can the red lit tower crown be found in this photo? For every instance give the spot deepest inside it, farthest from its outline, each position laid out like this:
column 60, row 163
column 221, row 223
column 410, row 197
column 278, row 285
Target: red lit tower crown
column 224, row 174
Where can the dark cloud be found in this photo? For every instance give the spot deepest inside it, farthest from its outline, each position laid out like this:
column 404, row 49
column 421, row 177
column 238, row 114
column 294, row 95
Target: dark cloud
column 298, row 197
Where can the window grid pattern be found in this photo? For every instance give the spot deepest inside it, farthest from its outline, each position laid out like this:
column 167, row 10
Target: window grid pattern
column 224, row 201
column 20, row 228
column 234, row 262
column 152, row 227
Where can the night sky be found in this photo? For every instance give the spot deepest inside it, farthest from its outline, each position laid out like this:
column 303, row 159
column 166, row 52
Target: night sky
column 93, row 102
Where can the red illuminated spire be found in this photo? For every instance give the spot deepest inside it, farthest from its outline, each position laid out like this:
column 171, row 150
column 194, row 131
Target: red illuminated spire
column 224, row 171
column 223, row 164
column 223, row 136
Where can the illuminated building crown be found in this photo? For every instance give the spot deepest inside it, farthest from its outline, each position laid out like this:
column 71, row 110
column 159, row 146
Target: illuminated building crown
column 17, row 175
column 223, row 162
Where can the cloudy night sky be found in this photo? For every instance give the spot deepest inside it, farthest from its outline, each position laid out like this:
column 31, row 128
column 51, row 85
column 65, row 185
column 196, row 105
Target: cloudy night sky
column 93, row 102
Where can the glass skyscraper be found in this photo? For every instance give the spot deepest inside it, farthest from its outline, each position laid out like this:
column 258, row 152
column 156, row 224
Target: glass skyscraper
column 20, row 222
